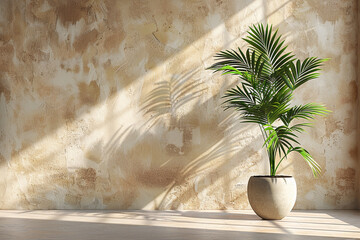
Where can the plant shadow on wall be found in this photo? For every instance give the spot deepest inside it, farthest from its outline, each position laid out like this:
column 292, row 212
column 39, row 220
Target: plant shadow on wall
column 167, row 98
column 164, row 162
column 201, row 162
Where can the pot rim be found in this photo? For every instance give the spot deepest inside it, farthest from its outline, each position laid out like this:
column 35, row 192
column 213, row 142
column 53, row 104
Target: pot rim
column 269, row 176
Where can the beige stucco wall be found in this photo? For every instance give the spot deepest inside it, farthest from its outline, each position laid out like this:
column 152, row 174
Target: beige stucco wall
column 107, row 104
column 358, row 105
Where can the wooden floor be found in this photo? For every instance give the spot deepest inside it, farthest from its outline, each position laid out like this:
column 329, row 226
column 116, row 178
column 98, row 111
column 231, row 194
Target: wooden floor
column 197, row 225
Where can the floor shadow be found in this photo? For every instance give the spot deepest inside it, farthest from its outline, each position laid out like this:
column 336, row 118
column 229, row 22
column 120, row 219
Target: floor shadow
column 221, row 215
column 352, row 216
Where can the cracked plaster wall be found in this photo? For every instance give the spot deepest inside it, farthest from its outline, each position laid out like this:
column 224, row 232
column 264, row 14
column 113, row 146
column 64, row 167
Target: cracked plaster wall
column 107, row 104
column 358, row 105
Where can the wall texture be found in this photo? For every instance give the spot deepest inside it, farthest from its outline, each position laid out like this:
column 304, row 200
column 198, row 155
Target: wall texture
column 107, row 104
column 358, row 105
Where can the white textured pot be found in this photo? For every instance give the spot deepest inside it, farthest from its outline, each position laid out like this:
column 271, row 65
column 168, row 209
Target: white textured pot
column 272, row 197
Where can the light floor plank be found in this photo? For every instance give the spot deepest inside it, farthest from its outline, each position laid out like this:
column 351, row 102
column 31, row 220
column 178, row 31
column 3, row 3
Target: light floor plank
column 93, row 224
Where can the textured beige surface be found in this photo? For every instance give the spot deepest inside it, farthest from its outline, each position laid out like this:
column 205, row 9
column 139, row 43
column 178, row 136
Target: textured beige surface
column 19, row 225
column 358, row 105
column 358, row 122
column 107, row 104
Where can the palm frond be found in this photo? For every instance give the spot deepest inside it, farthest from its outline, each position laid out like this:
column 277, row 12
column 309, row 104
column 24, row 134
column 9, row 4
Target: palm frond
column 314, row 166
column 245, row 101
column 280, row 138
column 299, row 72
column 232, row 58
column 307, row 112
column 266, row 42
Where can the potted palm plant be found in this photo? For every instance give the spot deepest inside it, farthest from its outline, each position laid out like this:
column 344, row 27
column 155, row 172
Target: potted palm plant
column 268, row 77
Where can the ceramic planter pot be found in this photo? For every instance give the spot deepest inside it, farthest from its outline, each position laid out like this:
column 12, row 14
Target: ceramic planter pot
column 272, row 198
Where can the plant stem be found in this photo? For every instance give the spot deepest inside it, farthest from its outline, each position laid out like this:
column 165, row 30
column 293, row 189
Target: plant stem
column 272, row 155
column 280, row 162
column 270, row 151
